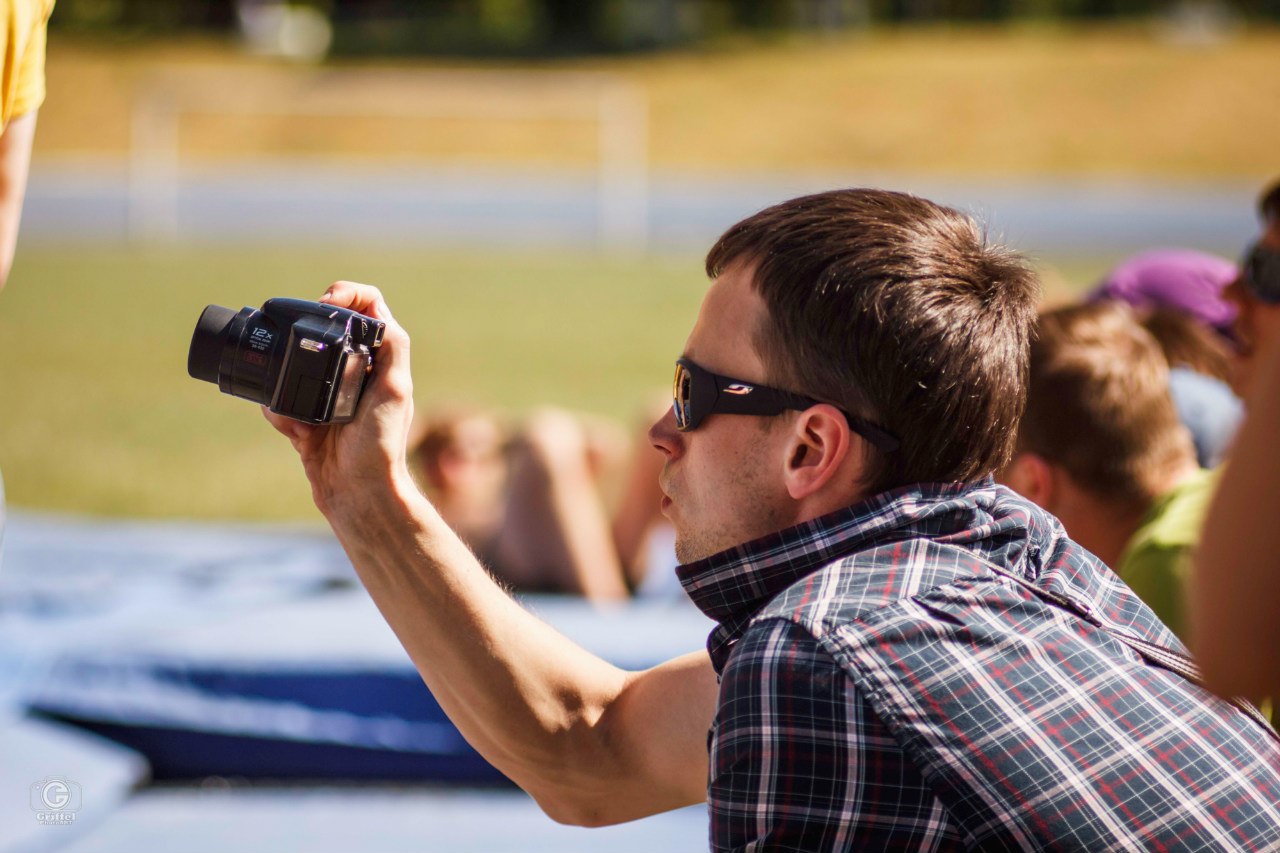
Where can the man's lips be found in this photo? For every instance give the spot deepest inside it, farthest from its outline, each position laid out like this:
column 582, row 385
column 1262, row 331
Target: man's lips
column 665, row 503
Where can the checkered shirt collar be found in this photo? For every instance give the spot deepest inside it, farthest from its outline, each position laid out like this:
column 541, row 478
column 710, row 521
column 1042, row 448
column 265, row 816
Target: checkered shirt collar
column 735, row 584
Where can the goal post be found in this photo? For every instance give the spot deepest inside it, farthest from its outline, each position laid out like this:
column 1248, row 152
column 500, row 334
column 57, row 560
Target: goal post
column 617, row 108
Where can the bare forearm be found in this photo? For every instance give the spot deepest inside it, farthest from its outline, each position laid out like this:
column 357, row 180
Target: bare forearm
column 1235, row 608
column 525, row 696
column 15, row 162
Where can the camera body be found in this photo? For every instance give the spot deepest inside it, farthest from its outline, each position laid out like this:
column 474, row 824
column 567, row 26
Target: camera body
column 304, row 360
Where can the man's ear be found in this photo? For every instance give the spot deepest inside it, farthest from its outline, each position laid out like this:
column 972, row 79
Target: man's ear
column 818, row 448
column 1033, row 477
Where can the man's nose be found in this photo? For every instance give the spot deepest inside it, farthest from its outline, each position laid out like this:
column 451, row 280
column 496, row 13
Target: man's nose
column 664, row 436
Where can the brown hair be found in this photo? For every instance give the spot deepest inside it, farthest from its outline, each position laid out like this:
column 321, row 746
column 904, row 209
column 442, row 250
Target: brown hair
column 1186, row 342
column 899, row 311
column 1269, row 203
column 1099, row 404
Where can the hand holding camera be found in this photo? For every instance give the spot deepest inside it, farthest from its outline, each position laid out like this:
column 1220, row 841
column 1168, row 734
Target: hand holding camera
column 312, row 367
column 305, row 360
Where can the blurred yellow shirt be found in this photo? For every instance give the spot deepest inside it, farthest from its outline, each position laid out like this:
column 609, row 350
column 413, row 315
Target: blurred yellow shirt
column 22, row 88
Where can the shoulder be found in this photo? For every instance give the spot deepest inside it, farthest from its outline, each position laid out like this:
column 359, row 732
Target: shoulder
column 779, row 686
column 792, row 746
column 779, row 650
column 779, row 674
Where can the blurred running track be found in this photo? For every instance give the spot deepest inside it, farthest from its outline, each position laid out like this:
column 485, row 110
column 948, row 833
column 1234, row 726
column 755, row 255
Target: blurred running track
column 434, row 207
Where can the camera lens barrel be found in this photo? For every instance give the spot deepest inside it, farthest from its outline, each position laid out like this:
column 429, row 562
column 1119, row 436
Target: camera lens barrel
column 207, row 343
column 305, row 360
column 235, row 350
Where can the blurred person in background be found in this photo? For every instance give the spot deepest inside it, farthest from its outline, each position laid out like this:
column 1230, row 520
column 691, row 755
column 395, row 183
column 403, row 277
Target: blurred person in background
column 1178, row 296
column 21, row 93
column 906, row 656
column 1101, row 447
column 530, row 500
column 1236, row 583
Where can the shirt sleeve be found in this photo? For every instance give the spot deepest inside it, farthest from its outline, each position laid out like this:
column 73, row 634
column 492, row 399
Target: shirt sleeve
column 800, row 761
column 29, row 91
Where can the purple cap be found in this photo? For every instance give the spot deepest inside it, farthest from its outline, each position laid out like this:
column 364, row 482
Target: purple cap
column 1182, row 279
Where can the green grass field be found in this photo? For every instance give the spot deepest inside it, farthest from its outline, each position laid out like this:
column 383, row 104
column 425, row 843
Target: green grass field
column 101, row 418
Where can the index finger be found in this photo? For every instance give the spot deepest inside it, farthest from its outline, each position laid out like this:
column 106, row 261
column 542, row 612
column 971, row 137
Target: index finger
column 363, row 298
column 368, row 300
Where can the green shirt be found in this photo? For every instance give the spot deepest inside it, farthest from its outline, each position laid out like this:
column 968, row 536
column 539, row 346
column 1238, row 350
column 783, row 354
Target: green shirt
column 1156, row 564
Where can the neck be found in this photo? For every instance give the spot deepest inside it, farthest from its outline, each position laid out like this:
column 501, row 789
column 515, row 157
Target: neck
column 1105, row 527
column 825, row 504
column 1179, row 474
column 1104, row 531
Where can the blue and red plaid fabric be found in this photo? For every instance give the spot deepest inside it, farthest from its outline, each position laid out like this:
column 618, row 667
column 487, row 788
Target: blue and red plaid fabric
column 884, row 687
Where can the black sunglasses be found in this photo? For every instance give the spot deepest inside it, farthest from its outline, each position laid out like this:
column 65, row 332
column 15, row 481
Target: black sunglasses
column 1261, row 272
column 698, row 392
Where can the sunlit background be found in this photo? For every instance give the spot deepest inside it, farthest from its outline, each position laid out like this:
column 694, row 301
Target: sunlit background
column 532, row 183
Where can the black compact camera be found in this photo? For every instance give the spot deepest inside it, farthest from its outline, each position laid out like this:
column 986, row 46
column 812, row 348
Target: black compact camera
column 304, row 360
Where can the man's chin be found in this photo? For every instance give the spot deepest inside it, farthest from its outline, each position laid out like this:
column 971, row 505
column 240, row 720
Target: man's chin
column 689, row 551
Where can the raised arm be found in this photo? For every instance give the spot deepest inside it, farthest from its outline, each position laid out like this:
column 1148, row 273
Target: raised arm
column 1235, row 588
column 593, row 744
column 15, row 164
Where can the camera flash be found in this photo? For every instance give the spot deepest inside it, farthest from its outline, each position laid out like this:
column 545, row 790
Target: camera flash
column 314, row 346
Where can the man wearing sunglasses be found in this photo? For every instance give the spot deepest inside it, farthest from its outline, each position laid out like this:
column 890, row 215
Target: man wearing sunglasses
column 1233, row 597
column 1256, row 295
column 906, row 657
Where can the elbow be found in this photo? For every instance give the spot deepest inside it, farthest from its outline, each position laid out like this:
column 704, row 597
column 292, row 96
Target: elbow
column 581, row 779
column 576, row 809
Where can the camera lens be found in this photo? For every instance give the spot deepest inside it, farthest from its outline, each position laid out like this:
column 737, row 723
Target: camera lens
column 304, row 360
column 236, row 350
column 207, row 343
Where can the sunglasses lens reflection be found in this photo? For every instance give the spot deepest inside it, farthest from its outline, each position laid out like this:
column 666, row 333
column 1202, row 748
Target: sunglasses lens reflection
column 681, row 394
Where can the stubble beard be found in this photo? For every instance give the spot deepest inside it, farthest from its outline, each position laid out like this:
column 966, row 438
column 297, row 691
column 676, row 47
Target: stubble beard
column 754, row 519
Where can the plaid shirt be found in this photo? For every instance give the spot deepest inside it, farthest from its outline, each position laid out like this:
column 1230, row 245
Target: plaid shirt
column 884, row 687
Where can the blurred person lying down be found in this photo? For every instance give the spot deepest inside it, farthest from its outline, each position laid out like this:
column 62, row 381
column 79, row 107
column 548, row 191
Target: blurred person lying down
column 530, row 499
